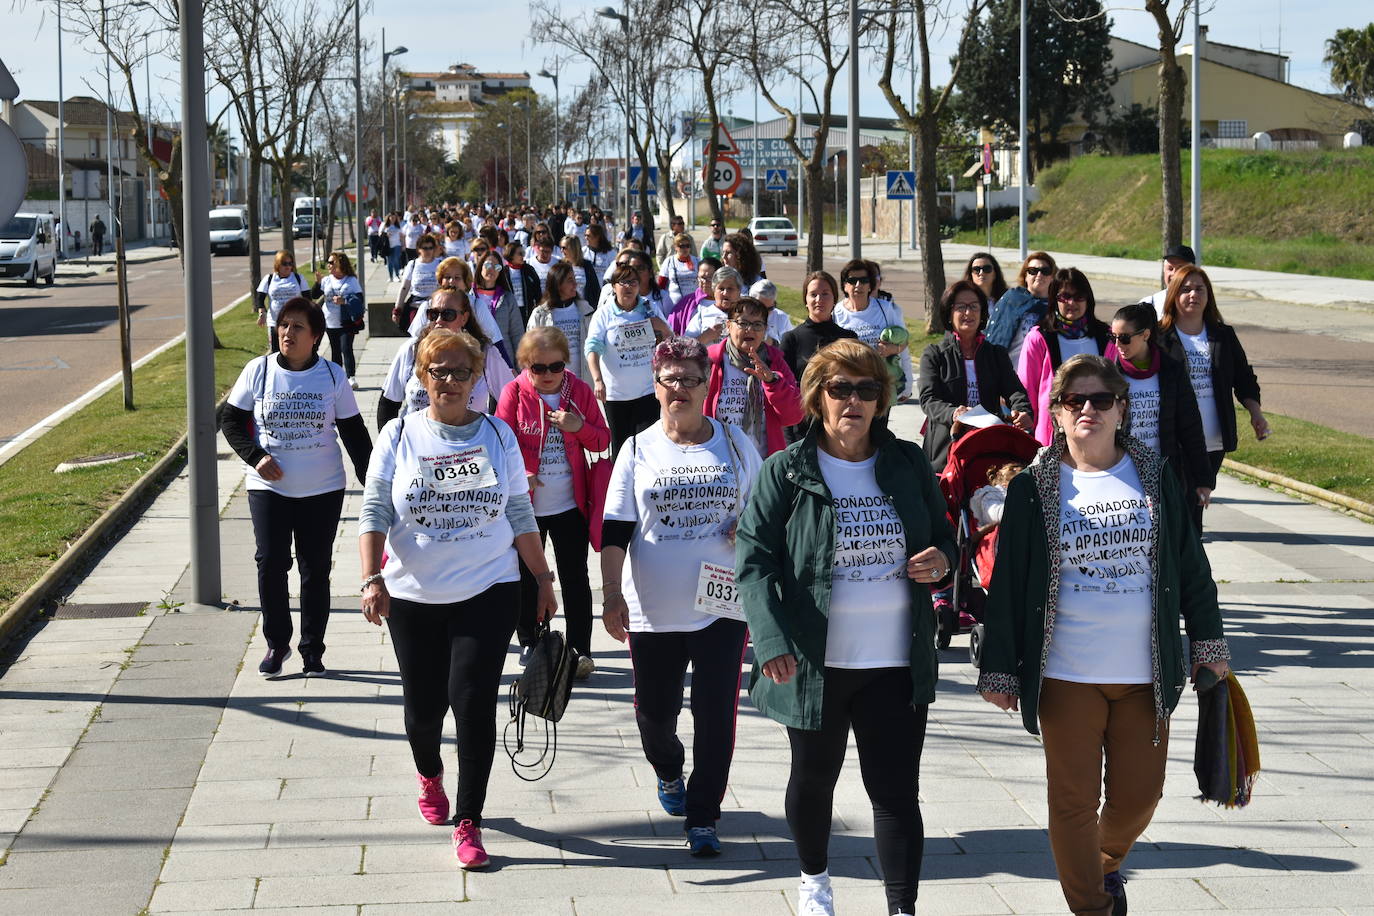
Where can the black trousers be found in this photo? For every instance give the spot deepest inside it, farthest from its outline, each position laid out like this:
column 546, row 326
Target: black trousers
column 450, row 656
column 311, row 522
column 1214, row 459
column 374, row 247
column 890, row 733
column 660, row 668
column 625, row 418
column 272, row 345
column 570, row 545
column 341, row 350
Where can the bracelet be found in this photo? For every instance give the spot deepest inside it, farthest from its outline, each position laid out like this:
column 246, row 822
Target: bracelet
column 546, row 576
column 375, row 577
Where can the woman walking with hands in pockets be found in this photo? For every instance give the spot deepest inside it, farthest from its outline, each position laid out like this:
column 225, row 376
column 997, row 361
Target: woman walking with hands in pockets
column 1082, row 625
column 843, row 538
column 448, row 499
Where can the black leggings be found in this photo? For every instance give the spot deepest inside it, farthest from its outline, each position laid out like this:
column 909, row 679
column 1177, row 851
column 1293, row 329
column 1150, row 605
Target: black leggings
column 889, row 733
column 450, row 656
column 341, row 350
column 625, row 418
column 311, row 522
column 570, row 542
column 1214, row 460
column 660, row 667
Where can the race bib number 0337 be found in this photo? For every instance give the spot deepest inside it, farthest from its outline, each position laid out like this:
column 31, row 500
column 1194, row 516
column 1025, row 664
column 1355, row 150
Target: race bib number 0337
column 469, row 469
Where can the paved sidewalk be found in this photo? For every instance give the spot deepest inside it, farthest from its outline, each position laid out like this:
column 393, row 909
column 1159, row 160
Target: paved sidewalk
column 143, row 763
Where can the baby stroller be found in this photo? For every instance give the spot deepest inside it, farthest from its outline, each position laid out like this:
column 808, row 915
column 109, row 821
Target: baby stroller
column 971, row 456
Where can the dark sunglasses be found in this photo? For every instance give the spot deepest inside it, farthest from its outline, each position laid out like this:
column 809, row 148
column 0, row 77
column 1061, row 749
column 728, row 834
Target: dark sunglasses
column 1039, row 271
column 441, row 314
column 1101, row 400
column 440, row 373
column 548, row 368
column 858, row 279
column 1123, row 340
column 982, row 269
column 1070, row 297
column 867, row 390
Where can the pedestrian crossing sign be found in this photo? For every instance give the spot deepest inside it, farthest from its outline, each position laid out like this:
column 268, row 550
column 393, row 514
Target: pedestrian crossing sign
column 901, row 185
column 776, row 180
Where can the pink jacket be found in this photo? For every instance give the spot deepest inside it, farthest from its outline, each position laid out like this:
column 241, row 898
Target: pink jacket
column 781, row 400
column 1036, row 375
column 525, row 412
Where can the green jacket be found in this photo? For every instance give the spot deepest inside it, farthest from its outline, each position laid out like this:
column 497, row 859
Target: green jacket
column 1024, row 595
column 784, row 553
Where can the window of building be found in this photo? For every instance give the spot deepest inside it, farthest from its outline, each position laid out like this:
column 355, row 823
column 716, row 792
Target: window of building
column 1233, row 130
column 94, row 146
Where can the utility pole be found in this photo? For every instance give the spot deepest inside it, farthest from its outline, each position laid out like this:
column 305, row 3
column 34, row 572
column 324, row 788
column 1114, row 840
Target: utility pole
column 852, row 172
column 1023, row 155
column 359, row 220
column 1196, row 157
column 64, row 228
column 557, row 128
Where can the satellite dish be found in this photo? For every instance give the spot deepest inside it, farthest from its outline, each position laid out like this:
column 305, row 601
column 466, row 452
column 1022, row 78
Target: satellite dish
column 14, row 170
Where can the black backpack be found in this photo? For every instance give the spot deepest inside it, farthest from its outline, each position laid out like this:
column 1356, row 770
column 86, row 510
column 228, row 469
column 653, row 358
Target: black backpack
column 542, row 691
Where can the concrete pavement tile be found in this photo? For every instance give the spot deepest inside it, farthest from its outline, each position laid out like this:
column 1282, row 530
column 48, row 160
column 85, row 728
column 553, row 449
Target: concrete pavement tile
column 993, row 867
column 1355, row 832
column 222, row 836
column 225, row 894
column 555, row 906
column 69, row 799
column 237, row 790
column 356, row 833
column 154, row 728
column 118, row 754
column 1253, row 835
column 755, row 903
column 420, row 887
column 558, row 882
column 223, row 750
column 142, row 668
column 997, row 840
column 26, row 777
column 75, row 899
column 64, row 869
column 276, row 811
column 699, row 876
column 285, row 767
column 177, row 774
column 207, row 865
column 12, row 820
column 275, row 911
column 17, row 739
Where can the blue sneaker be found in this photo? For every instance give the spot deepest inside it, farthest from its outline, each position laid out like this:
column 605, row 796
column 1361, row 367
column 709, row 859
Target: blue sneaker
column 702, row 841
column 1115, row 885
column 672, row 795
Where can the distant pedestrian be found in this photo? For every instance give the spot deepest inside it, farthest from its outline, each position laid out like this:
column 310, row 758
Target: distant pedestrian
column 1022, row 306
column 1176, row 257
column 394, row 232
column 284, row 418
column 1068, row 328
column 97, row 236
column 983, row 270
column 341, row 297
column 278, row 287
column 374, row 237
column 620, row 350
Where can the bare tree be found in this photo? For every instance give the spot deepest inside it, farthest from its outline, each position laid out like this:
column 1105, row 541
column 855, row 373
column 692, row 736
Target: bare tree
column 921, row 116
column 796, row 41
column 1170, row 25
column 710, row 27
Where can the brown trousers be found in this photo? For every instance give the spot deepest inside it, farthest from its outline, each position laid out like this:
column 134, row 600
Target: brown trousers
column 1082, row 723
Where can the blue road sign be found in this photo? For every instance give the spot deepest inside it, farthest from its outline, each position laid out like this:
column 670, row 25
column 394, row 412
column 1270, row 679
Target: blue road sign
column 588, row 184
column 901, row 185
column 636, row 171
column 776, row 180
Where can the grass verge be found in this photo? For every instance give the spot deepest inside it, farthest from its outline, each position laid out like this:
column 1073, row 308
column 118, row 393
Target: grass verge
column 1316, row 455
column 41, row 512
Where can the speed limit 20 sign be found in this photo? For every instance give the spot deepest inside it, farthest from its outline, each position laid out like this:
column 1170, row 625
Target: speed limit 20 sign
column 725, row 180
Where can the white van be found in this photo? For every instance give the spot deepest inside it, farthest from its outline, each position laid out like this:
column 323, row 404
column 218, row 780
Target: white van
column 28, row 248
column 309, row 206
column 229, row 230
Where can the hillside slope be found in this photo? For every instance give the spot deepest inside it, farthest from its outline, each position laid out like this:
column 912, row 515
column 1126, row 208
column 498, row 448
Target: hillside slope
column 1295, row 212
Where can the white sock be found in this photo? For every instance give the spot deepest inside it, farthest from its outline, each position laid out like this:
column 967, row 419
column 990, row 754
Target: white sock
column 822, row 877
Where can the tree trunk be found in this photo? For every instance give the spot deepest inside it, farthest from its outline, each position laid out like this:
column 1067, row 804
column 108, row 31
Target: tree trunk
column 815, row 216
column 283, row 174
column 665, row 184
column 928, row 220
column 254, row 218
column 1170, row 143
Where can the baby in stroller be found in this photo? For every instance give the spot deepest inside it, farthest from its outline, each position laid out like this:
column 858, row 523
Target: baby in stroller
column 987, row 502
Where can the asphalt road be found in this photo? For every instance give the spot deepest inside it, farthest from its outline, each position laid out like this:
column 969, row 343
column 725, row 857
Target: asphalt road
column 58, row 342
column 1313, row 363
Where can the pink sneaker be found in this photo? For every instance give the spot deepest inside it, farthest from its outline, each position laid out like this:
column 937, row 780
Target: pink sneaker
column 433, row 801
column 467, row 845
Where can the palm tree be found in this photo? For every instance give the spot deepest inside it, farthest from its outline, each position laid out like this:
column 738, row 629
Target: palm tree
column 1350, row 55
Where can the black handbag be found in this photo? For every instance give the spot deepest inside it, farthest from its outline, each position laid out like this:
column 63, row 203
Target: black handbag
column 542, row 691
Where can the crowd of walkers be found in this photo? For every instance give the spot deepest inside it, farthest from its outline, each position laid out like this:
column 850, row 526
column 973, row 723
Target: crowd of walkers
column 738, row 478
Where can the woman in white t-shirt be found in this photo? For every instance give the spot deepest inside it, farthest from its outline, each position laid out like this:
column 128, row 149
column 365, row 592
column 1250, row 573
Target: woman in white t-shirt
column 395, row 245
column 341, row 297
column 708, row 325
column 282, row 284
column 284, row 417
column 448, row 500
column 866, row 315
column 678, row 274
column 455, row 245
column 619, row 350
column 841, row 543
column 562, row 308
column 675, row 497
column 1082, row 626
column 419, row 280
column 404, row 392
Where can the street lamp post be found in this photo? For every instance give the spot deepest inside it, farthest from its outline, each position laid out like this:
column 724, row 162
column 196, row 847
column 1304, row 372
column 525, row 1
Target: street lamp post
column 63, row 228
column 852, row 170
column 607, row 12
column 529, row 182
column 557, row 128
column 386, row 56
column 1022, row 155
column 359, row 221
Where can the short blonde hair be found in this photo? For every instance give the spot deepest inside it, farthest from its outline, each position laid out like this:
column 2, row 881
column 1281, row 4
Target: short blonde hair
column 440, row 341
column 283, row 256
column 464, row 271
column 574, row 246
column 853, row 359
column 543, row 337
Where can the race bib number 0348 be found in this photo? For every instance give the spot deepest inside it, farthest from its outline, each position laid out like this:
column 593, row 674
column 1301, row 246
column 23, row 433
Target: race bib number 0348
column 717, row 594
column 469, row 469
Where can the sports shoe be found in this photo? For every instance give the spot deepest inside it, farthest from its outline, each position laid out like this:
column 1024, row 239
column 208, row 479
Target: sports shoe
column 1114, row 884
column 703, row 842
column 312, row 666
column 585, row 667
column 467, row 845
column 271, row 663
column 672, row 795
column 433, row 799
column 814, row 897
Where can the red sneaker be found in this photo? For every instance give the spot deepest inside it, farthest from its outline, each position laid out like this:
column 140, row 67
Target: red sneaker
column 467, row 845
column 433, row 801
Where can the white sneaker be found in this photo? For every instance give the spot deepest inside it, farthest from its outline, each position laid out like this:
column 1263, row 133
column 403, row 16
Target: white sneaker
column 814, row 896
column 353, row 383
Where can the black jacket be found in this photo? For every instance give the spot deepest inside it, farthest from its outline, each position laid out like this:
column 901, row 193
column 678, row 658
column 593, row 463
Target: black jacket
column 1180, row 426
column 1231, row 373
column 942, row 388
column 799, row 344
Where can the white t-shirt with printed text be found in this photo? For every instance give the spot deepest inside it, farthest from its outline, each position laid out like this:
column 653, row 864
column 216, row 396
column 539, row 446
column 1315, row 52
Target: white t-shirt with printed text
column 626, row 361
column 554, row 492
column 1195, row 347
column 1145, row 409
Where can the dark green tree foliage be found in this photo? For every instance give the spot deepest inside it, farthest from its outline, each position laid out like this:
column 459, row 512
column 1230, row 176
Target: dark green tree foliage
column 1070, row 70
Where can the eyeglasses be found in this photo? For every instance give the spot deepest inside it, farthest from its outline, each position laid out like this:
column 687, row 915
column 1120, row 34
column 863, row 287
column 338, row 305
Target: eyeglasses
column 982, row 269
column 441, row 314
column 857, row 280
column 1101, row 400
column 634, row 282
column 288, row 263
column 679, row 381
column 1039, row 271
column 548, row 368
column 966, row 307
column 750, row 325
column 867, row 390
column 684, row 248
column 1070, row 297
column 442, row 373
column 1123, row 340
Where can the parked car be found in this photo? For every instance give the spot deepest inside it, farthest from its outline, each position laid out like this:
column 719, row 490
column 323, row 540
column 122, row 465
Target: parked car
column 28, row 248
column 303, row 225
column 229, row 230
column 774, row 233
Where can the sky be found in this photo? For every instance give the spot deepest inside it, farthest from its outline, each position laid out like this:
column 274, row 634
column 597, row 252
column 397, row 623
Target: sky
column 29, row 46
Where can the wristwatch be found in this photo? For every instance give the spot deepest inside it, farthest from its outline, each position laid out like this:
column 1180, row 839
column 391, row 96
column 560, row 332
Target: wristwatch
column 375, row 577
